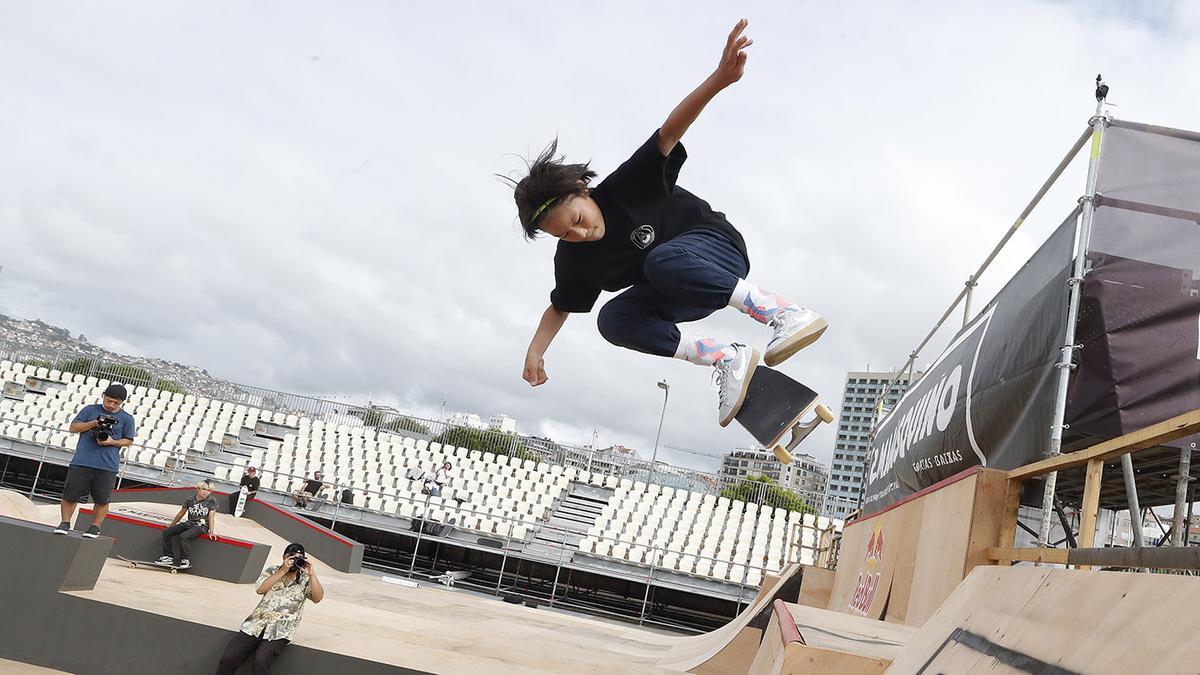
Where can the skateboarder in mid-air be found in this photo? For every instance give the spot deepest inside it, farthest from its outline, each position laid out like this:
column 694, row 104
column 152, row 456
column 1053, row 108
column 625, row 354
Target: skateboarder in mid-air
column 678, row 259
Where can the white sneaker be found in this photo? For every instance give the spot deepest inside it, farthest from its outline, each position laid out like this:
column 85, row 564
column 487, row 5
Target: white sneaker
column 794, row 329
column 166, row 560
column 733, row 379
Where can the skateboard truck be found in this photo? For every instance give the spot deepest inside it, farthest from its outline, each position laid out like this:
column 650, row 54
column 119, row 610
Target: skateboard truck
column 801, row 430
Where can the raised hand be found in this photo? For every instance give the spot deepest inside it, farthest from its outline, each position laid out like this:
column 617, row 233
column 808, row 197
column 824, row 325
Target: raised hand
column 733, row 57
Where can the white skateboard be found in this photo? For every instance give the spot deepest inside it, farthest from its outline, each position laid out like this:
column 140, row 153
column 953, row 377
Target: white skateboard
column 241, row 502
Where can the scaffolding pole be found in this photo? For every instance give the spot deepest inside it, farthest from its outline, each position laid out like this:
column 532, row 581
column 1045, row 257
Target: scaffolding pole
column 1135, row 509
column 1179, row 536
column 1075, row 284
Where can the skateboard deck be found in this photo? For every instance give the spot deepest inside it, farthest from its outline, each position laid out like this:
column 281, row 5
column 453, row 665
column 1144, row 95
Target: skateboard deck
column 776, row 404
column 241, row 502
column 173, row 569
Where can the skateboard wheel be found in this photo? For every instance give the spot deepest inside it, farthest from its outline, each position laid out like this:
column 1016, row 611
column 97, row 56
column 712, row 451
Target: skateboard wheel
column 133, row 565
column 174, row 571
column 825, row 413
column 782, row 454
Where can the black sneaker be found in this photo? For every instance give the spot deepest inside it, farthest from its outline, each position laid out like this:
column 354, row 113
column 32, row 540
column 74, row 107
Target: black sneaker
column 92, row 532
column 184, row 564
column 63, row 528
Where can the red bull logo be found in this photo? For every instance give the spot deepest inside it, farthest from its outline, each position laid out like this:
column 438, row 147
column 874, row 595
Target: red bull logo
column 868, row 579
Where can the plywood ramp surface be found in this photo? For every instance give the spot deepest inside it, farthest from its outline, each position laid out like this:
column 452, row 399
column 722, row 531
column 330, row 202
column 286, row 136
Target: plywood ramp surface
column 802, row 639
column 1028, row 619
column 17, row 505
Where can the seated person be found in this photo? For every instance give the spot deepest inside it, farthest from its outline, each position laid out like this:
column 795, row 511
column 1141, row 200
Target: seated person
column 251, row 482
column 434, row 484
column 311, row 488
column 201, row 513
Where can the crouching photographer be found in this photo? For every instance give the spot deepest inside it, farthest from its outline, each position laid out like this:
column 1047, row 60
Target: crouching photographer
column 273, row 623
column 104, row 429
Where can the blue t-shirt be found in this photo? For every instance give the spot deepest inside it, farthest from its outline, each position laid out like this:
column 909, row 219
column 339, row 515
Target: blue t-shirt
column 91, row 454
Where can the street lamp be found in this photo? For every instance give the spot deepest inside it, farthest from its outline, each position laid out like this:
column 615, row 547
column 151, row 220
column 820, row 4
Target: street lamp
column 662, row 384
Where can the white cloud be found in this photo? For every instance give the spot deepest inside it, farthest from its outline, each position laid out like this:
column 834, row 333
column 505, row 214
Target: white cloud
column 303, row 199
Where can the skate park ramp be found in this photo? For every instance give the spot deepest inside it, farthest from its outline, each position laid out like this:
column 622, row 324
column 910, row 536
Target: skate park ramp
column 17, row 505
column 1062, row 621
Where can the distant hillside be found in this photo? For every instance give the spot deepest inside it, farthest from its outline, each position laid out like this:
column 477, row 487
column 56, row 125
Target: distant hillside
column 37, row 340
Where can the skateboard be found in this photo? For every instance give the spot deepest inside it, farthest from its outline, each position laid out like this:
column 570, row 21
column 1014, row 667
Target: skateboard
column 776, row 404
column 241, row 502
column 173, row 569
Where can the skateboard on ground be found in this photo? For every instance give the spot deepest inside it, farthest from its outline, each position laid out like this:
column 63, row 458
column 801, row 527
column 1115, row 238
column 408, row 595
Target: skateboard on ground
column 241, row 502
column 776, row 404
column 173, row 569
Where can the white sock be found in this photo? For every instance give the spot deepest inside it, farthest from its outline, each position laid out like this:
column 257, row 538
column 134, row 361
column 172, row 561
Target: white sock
column 760, row 304
column 703, row 351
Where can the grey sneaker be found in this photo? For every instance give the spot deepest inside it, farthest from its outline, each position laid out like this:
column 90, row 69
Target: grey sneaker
column 92, row 532
column 794, row 329
column 63, row 528
column 733, row 379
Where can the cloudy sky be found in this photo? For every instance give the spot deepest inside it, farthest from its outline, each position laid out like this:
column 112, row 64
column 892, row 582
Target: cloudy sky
column 300, row 195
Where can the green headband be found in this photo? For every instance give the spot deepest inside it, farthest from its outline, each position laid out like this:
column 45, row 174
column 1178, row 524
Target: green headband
column 541, row 208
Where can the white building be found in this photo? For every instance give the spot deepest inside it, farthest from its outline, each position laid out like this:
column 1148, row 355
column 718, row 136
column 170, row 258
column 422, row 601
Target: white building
column 503, row 423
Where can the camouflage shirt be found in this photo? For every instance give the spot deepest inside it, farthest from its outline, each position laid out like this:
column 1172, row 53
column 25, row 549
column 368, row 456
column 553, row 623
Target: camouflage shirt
column 278, row 613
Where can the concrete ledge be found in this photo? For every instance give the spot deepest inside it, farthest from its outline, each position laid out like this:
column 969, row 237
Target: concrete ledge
column 48, row 561
column 339, row 552
column 222, row 558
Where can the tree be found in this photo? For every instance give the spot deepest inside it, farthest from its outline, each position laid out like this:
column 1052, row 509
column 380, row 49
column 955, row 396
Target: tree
column 762, row 490
column 485, row 441
column 372, row 416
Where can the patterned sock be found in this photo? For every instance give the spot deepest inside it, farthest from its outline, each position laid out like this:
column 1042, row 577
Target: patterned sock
column 760, row 304
column 703, row 351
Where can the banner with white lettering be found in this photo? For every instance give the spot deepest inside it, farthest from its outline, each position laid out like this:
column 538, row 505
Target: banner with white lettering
column 988, row 399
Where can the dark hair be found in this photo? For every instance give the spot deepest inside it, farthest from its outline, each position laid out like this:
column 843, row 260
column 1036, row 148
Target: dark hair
column 548, row 178
column 293, row 548
column 116, row 391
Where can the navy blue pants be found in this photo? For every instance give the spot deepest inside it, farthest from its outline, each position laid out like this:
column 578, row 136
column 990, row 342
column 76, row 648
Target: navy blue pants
column 685, row 279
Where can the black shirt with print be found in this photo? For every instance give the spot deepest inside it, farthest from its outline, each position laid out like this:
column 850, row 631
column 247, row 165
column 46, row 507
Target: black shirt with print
column 197, row 511
column 642, row 208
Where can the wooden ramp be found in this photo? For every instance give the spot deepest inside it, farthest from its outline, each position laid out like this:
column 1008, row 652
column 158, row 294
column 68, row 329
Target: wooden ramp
column 804, row 639
column 1060, row 621
column 16, row 505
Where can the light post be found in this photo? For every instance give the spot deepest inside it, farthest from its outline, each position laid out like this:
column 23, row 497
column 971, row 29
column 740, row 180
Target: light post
column 662, row 384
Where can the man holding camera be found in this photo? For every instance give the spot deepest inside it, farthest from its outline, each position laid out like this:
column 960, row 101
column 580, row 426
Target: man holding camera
column 103, row 428
column 273, row 623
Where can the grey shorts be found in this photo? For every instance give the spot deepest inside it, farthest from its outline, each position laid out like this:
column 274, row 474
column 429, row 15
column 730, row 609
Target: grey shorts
column 82, row 480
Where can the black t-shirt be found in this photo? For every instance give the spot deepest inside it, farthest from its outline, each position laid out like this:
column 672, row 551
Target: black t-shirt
column 251, row 483
column 642, row 208
column 313, row 486
column 197, row 511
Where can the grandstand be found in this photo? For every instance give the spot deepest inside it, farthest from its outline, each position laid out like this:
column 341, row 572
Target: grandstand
column 658, row 535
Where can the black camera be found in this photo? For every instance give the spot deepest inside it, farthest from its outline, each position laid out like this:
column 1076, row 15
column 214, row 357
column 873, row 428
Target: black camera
column 299, row 563
column 104, row 427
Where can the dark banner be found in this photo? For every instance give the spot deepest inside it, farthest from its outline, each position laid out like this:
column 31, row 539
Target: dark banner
column 989, row 398
column 1139, row 320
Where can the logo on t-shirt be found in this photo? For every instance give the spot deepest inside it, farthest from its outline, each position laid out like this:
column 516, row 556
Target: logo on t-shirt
column 642, row 236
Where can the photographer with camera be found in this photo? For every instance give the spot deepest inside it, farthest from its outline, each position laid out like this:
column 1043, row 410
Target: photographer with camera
column 104, row 429
column 273, row 623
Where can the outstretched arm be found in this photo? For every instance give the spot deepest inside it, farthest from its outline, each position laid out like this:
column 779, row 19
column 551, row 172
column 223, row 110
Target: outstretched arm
column 535, row 364
column 729, row 70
